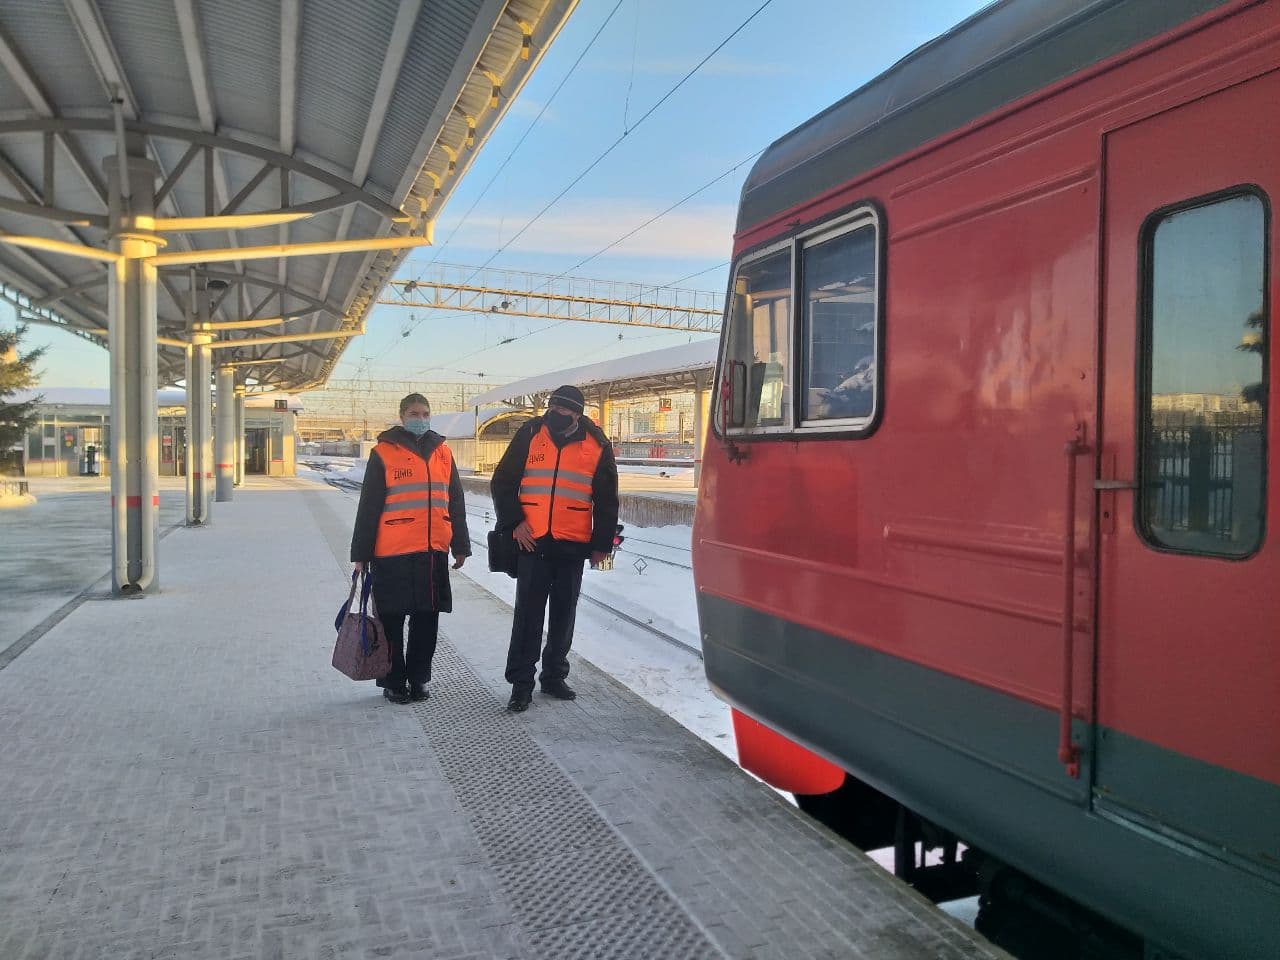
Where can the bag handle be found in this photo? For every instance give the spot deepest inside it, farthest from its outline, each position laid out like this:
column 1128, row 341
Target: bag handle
column 366, row 601
column 366, row 588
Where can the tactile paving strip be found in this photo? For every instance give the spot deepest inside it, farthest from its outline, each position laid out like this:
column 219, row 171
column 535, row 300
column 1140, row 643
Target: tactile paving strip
column 576, row 887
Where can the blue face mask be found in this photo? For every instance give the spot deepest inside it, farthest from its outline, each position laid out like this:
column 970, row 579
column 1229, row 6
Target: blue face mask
column 418, row 427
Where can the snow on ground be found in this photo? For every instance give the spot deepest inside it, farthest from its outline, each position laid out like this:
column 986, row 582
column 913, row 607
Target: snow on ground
column 11, row 501
column 315, row 467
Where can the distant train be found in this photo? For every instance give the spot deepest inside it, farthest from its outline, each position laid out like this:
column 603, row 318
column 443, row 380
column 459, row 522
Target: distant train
column 984, row 549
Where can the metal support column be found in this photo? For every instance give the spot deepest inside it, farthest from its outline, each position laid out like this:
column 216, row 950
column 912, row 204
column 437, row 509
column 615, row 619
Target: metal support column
column 135, row 486
column 239, row 436
column 701, row 417
column 606, row 412
column 199, row 421
column 224, row 434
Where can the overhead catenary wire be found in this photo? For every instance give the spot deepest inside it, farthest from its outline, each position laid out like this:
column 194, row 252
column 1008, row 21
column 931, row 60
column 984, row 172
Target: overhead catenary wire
column 594, row 163
column 631, row 80
column 617, row 142
column 698, row 274
column 524, row 136
column 656, row 217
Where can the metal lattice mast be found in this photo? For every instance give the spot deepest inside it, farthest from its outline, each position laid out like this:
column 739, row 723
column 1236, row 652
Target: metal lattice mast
column 448, row 286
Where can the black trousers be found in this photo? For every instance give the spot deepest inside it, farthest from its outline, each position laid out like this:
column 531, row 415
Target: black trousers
column 541, row 578
column 423, row 628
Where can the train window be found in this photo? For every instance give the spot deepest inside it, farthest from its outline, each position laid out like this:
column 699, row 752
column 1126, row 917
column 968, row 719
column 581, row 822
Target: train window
column 1203, row 410
column 757, row 364
column 839, row 328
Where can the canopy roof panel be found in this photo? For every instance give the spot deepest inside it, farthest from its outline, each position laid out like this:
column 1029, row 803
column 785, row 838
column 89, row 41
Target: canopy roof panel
column 364, row 116
column 637, row 375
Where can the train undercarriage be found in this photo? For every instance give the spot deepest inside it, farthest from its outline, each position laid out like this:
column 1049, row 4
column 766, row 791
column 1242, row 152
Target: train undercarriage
column 1015, row 912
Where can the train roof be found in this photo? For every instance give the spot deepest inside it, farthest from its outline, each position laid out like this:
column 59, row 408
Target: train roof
column 1004, row 51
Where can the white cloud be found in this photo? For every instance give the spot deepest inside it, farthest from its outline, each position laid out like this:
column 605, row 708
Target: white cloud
column 582, row 227
column 524, row 107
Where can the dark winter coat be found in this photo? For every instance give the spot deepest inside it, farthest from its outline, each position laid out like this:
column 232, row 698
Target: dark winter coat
column 505, row 487
column 411, row 582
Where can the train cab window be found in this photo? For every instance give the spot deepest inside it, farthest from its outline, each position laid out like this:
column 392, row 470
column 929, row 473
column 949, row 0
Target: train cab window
column 839, row 323
column 1203, row 461
column 756, row 373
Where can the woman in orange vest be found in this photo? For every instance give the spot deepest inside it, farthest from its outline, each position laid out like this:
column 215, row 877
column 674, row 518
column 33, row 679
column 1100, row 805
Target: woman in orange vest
column 556, row 492
column 411, row 515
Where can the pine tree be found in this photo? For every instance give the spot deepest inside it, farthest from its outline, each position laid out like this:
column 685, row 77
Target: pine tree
column 17, row 372
column 1254, row 341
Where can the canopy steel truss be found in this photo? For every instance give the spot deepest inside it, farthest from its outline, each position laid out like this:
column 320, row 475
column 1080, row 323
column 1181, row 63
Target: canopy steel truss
column 213, row 161
column 141, row 176
column 450, row 286
column 239, row 296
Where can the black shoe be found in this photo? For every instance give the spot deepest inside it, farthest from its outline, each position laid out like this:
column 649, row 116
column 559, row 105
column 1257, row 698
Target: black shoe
column 520, row 700
column 559, row 689
column 396, row 694
column 418, row 691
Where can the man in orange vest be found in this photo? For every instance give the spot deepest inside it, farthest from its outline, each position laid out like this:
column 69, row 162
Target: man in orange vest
column 556, row 491
column 411, row 515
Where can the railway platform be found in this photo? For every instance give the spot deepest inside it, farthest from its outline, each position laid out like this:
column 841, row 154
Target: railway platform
column 186, row 776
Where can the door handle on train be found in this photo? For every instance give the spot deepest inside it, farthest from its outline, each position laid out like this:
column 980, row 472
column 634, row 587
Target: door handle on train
column 1115, row 484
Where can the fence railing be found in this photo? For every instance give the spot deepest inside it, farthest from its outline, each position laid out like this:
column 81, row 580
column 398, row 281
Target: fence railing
column 1198, row 470
column 13, row 487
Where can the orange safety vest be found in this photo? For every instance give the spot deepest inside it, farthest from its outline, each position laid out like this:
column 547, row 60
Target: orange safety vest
column 415, row 513
column 556, row 488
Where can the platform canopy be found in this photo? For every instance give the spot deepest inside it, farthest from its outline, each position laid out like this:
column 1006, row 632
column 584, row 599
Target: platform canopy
column 289, row 122
column 624, row 378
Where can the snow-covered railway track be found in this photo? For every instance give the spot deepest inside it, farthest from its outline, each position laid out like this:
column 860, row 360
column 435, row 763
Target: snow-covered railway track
column 487, row 517
column 620, row 614
column 344, row 484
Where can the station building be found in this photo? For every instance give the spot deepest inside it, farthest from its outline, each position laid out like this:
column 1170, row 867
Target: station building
column 72, row 435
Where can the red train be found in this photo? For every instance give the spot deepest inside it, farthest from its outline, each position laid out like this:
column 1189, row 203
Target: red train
column 983, row 547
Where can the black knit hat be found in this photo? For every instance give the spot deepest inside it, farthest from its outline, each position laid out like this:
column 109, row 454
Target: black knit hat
column 569, row 397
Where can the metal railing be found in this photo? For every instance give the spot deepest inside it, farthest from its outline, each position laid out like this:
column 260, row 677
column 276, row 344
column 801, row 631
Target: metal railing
column 1195, row 472
column 13, row 487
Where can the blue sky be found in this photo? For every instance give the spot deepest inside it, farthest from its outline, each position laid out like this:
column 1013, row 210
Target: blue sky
column 794, row 59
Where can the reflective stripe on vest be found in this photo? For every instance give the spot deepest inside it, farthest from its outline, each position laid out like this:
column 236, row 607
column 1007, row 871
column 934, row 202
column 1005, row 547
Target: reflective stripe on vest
column 555, row 491
column 415, row 513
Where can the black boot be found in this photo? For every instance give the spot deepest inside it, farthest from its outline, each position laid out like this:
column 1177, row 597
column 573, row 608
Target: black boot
column 418, row 691
column 558, row 689
column 396, row 693
column 521, row 697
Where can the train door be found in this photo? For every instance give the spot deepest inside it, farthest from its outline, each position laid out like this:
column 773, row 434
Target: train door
column 1188, row 662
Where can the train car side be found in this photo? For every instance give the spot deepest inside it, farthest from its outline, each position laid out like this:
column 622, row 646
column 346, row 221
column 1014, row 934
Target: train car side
column 891, row 525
